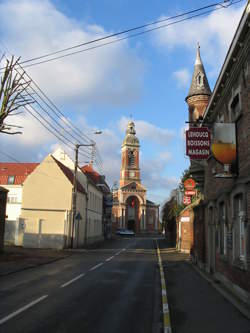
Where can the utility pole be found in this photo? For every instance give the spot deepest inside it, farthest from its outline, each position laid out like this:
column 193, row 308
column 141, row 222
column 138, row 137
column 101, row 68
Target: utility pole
column 74, row 191
column 74, row 194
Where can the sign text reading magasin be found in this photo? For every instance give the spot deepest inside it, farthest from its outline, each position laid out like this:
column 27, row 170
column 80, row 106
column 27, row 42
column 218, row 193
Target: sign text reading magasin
column 198, row 143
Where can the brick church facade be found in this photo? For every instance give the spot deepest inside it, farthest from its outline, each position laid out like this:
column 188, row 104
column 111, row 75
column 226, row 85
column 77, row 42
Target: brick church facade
column 131, row 209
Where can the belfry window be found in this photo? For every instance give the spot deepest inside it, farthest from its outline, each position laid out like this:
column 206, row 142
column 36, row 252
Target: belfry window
column 131, row 158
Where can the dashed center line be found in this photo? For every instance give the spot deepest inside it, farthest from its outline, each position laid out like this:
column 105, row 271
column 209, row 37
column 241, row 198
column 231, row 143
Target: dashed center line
column 110, row 258
column 96, row 266
column 73, row 280
column 15, row 313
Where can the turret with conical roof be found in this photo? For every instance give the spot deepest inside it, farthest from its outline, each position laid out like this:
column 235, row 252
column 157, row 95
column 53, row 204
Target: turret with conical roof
column 199, row 92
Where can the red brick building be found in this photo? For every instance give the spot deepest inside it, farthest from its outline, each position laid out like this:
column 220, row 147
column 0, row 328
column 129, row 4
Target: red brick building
column 131, row 209
column 222, row 221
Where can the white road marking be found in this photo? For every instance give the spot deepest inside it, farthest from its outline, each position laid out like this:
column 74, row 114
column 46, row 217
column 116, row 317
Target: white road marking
column 108, row 259
column 96, row 266
column 15, row 313
column 73, row 280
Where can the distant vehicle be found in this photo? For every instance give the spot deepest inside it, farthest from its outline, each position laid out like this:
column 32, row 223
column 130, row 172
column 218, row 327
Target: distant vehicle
column 125, row 232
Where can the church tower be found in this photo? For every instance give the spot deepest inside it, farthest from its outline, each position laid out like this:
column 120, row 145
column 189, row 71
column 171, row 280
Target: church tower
column 131, row 209
column 130, row 170
column 199, row 92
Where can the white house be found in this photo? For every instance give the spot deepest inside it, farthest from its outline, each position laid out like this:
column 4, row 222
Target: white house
column 12, row 176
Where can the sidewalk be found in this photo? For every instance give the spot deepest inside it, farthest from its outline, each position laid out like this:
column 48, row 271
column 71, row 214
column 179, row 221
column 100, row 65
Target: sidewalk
column 16, row 259
column 197, row 302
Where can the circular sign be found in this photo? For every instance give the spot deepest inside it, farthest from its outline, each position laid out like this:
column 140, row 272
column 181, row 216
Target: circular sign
column 187, row 200
column 189, row 184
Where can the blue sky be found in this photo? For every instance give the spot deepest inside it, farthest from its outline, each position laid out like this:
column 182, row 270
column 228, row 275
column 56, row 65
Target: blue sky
column 147, row 77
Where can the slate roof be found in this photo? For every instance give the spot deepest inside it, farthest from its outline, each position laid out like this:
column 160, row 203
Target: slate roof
column 19, row 170
column 196, row 88
column 69, row 174
column 151, row 203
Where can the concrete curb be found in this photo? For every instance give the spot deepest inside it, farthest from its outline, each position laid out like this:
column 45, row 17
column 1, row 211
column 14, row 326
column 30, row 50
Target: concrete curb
column 165, row 308
column 224, row 292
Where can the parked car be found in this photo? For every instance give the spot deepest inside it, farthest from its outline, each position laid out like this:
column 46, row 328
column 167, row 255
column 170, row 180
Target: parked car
column 125, row 232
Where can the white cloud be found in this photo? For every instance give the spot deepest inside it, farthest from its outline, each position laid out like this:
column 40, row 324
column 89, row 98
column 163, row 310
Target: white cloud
column 148, row 131
column 109, row 75
column 214, row 32
column 183, row 77
column 153, row 175
column 165, row 156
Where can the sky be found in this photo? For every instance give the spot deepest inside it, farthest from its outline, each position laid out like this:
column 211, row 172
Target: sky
column 146, row 77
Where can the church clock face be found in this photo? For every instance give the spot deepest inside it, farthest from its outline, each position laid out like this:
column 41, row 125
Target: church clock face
column 131, row 174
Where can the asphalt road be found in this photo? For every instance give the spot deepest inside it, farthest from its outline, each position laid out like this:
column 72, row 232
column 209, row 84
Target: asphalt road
column 112, row 289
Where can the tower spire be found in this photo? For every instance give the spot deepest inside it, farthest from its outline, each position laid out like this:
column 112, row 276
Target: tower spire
column 199, row 84
column 198, row 56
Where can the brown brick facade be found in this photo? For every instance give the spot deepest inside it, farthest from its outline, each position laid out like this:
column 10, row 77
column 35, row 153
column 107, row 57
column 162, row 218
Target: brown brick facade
column 222, row 222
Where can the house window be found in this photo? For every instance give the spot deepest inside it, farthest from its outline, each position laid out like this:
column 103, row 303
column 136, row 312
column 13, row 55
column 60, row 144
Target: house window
column 235, row 106
column 12, row 199
column 223, row 229
column 11, row 180
column 239, row 228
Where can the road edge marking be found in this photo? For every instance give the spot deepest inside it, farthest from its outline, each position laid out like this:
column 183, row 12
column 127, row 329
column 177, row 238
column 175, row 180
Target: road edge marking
column 15, row 313
column 165, row 307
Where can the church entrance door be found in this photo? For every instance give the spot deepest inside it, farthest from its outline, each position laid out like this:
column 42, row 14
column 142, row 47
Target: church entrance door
column 132, row 213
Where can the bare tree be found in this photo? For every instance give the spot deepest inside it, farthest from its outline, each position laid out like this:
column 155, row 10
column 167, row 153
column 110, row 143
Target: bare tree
column 13, row 92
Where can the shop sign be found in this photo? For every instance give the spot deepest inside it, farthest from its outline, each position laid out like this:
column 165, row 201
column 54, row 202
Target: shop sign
column 198, row 143
column 186, row 200
column 189, row 184
column 185, row 219
column 224, row 143
column 190, row 193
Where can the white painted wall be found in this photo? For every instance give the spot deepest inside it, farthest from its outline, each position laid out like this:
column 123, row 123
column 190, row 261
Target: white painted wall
column 14, row 201
column 95, row 205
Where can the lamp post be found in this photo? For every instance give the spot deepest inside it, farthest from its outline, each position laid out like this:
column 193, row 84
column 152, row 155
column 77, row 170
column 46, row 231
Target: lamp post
column 74, row 192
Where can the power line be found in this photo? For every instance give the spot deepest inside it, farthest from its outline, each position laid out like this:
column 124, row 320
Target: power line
column 223, row 4
column 53, row 108
column 9, row 156
column 85, row 153
column 129, row 36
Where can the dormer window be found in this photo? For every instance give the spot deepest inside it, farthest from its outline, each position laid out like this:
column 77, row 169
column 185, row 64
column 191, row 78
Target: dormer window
column 11, row 180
